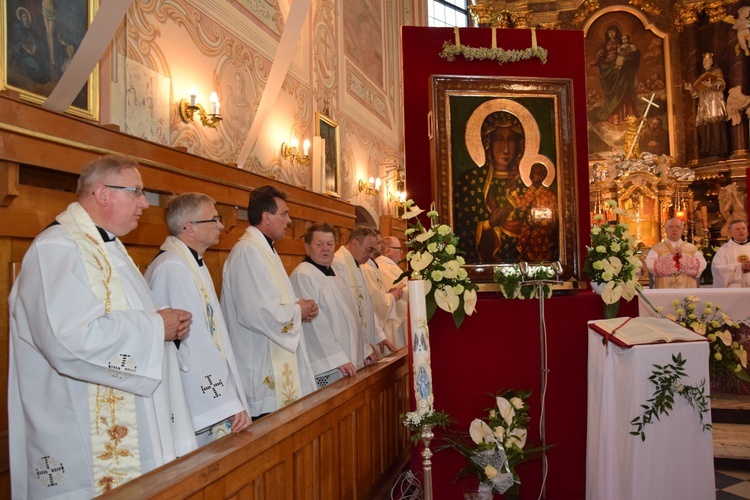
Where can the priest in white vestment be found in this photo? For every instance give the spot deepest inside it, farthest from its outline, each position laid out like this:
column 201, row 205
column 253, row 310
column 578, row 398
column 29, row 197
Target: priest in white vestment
column 263, row 315
column 383, row 297
column 334, row 342
column 731, row 264
column 346, row 263
column 179, row 277
column 395, row 328
column 94, row 393
column 673, row 262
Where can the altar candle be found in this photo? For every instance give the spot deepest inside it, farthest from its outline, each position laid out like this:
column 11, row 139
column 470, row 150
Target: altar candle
column 420, row 342
column 704, row 216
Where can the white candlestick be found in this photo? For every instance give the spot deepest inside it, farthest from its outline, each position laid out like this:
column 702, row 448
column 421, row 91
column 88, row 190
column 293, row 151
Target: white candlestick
column 420, row 337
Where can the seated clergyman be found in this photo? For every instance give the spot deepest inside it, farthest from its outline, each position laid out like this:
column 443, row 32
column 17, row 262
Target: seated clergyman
column 673, row 262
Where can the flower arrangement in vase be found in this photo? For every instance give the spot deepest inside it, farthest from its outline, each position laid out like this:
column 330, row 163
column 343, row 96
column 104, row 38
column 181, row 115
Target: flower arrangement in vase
column 496, row 445
column 435, row 257
column 611, row 261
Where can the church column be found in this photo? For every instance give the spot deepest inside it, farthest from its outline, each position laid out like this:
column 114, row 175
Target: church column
column 738, row 75
column 691, row 56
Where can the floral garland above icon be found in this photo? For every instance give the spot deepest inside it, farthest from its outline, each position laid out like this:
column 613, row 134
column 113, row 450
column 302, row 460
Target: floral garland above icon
column 494, row 53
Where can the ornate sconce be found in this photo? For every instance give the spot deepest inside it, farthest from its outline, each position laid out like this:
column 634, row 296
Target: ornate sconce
column 188, row 109
column 370, row 188
column 291, row 151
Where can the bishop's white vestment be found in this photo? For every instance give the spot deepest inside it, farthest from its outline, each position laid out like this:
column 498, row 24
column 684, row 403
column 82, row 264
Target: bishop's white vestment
column 64, row 347
column 671, row 271
column 725, row 265
column 260, row 309
column 395, row 328
column 332, row 337
column 347, row 269
column 211, row 380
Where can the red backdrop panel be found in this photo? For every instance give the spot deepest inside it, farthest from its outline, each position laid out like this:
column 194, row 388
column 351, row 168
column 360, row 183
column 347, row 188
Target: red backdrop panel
column 499, row 347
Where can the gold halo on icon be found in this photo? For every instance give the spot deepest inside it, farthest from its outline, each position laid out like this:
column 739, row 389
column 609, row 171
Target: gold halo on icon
column 531, row 153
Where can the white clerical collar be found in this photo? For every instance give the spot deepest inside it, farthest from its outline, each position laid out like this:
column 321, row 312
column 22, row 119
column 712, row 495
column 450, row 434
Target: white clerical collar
column 675, row 243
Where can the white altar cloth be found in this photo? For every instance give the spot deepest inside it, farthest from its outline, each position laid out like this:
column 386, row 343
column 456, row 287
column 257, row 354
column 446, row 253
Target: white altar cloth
column 676, row 459
column 733, row 301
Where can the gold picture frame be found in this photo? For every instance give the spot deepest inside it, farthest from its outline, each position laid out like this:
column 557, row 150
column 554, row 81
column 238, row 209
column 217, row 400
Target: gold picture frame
column 38, row 44
column 516, row 203
column 328, row 129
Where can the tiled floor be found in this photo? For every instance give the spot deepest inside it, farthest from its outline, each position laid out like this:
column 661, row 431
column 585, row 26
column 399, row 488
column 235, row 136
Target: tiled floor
column 731, row 485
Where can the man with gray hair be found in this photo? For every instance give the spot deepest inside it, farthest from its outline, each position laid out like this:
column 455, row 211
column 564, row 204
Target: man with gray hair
column 347, row 260
column 395, row 328
column 263, row 315
column 673, row 262
column 179, row 277
column 94, row 392
column 731, row 264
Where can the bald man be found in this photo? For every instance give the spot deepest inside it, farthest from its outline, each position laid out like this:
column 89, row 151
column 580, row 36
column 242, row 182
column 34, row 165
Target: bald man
column 675, row 263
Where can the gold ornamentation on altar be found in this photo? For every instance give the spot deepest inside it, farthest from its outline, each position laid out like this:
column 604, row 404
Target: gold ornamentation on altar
column 587, row 8
column 521, row 19
column 646, row 6
column 481, row 13
column 687, row 14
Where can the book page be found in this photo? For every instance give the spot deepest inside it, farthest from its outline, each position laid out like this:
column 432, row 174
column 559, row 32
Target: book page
column 635, row 331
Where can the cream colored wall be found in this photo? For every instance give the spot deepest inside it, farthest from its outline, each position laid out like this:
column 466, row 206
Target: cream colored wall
column 346, row 65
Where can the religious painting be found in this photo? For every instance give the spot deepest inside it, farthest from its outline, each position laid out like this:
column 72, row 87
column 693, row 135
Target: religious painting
column 41, row 38
column 328, row 130
column 628, row 86
column 504, row 170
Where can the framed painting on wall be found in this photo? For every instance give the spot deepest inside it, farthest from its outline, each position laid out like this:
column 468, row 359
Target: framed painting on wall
column 38, row 42
column 626, row 67
column 503, row 161
column 328, row 130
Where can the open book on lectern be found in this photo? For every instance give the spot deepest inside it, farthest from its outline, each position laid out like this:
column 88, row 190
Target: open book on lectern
column 627, row 332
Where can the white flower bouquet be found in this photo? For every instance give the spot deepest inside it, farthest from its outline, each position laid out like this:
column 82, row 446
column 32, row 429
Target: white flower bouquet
column 435, row 257
column 611, row 260
column 509, row 277
column 497, row 445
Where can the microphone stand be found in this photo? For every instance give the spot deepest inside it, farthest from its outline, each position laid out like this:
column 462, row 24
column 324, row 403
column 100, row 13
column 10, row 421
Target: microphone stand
column 539, row 284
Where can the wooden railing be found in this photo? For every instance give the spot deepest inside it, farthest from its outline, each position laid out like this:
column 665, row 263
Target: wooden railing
column 344, row 441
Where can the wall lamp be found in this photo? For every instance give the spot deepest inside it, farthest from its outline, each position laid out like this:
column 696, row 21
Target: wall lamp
column 188, row 109
column 291, row 151
column 371, row 187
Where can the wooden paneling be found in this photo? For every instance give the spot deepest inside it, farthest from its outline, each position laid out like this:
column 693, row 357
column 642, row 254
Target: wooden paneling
column 317, row 448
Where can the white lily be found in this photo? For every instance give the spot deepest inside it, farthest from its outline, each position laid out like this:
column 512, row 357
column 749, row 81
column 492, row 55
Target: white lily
column 470, row 302
column 479, row 430
column 425, row 236
column 505, row 409
column 420, row 260
column 446, row 299
column 412, row 212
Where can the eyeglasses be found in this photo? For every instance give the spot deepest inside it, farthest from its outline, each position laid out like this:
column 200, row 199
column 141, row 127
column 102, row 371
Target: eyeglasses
column 215, row 219
column 135, row 191
column 395, row 248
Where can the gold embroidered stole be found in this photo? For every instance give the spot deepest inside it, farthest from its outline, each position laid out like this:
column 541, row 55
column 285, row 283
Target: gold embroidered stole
column 177, row 247
column 286, row 383
column 114, row 430
column 358, row 287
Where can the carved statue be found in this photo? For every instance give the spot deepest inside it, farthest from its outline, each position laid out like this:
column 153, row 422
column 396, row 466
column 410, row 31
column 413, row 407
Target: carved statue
column 708, row 88
column 742, row 25
column 731, row 206
column 736, row 102
column 682, row 173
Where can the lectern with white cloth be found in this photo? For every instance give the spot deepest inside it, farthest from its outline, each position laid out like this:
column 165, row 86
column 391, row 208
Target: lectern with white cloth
column 676, row 459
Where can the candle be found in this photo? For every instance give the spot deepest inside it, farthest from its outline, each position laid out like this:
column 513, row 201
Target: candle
column 214, row 100
column 704, row 216
column 420, row 342
column 193, row 95
column 306, row 147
